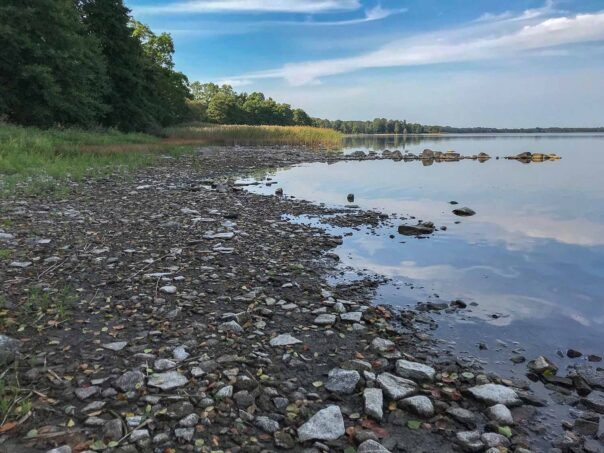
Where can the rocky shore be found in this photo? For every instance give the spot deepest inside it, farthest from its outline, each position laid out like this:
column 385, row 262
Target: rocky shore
column 171, row 310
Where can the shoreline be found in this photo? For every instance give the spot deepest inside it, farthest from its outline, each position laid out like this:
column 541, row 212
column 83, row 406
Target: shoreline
column 200, row 278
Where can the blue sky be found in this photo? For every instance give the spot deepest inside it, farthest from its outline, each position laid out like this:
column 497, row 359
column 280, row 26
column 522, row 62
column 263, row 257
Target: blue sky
column 513, row 63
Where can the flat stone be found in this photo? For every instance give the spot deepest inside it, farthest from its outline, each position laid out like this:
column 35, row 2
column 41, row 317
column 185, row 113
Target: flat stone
column 169, row 289
column 382, row 345
column 374, row 402
column 6, row 237
column 189, row 421
column 419, row 405
column 179, row 353
column 352, row 316
column 62, row 449
column 168, row 380
column 284, row 339
column 327, row 424
column 139, row 434
column 396, row 387
column 342, row 381
column 129, row 381
column 325, row 319
column 20, row 264
column 415, row 371
column 463, row 416
column 86, row 392
column 116, row 346
column 113, row 429
column 495, row 394
column 501, row 414
column 464, row 212
column 371, row 446
column 164, row 364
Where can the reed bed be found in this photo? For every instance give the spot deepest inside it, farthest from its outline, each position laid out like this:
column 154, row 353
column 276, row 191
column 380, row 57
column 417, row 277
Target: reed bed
column 259, row 135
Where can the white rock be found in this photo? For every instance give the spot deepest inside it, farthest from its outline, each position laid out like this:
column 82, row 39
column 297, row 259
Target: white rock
column 168, row 380
column 327, row 424
column 415, row 371
column 495, row 440
column 169, row 289
column 501, row 414
column 20, row 264
column 284, row 339
column 353, row 316
column 396, row 387
column 495, row 394
column 117, row 346
column 374, row 402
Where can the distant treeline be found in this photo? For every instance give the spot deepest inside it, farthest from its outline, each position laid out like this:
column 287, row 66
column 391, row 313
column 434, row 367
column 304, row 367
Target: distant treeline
column 86, row 63
column 222, row 105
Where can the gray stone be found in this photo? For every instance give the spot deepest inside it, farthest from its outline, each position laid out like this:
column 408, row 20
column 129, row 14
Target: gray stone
column 342, row 381
column 62, row 449
column 20, row 264
column 374, row 402
column 6, row 237
column 495, row 394
column 419, row 405
column 164, row 364
column 501, row 414
column 382, row 345
column 396, row 387
column 284, row 339
column 129, row 381
column 415, row 371
column 325, row 319
column 225, row 392
column 117, row 346
column 86, row 392
column 267, row 424
column 470, row 441
column 168, row 380
column 231, row 326
column 139, row 434
column 113, row 429
column 327, row 424
column 463, row 416
column 464, row 212
column 353, row 316
column 189, row 421
column 185, row 434
column 494, row 440
column 179, row 353
column 371, row 446
column 9, row 348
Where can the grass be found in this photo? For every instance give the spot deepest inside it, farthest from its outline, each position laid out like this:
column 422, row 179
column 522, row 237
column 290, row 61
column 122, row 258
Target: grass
column 38, row 160
column 259, row 135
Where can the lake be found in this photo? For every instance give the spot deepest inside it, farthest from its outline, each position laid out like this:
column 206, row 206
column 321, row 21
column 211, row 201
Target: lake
column 531, row 259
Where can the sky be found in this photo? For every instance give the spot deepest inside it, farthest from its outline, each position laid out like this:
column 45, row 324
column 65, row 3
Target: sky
column 494, row 63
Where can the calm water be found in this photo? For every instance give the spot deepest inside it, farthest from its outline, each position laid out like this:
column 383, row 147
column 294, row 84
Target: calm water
column 532, row 258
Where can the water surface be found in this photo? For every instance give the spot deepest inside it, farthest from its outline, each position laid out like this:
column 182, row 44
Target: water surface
column 531, row 259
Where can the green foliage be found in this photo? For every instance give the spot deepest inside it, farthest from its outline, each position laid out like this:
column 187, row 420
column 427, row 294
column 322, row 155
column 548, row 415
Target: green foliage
column 222, row 105
column 51, row 70
column 84, row 63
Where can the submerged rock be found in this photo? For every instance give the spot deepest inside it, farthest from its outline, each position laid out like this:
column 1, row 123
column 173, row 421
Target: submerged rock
column 464, row 212
column 417, row 230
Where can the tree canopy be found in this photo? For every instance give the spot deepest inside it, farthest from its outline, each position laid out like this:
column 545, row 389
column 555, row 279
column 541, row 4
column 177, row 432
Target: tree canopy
column 86, row 63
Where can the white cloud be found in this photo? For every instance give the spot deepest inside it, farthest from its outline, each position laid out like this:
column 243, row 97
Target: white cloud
column 249, row 6
column 494, row 40
column 373, row 14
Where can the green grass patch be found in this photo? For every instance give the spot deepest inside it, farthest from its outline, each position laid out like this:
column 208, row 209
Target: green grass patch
column 259, row 135
column 40, row 160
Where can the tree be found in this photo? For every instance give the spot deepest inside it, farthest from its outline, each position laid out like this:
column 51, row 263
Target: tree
column 51, row 71
column 301, row 118
column 223, row 109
